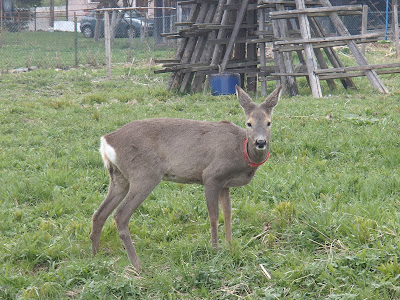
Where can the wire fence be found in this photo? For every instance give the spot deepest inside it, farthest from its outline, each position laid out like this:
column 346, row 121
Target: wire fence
column 39, row 38
column 61, row 38
column 376, row 22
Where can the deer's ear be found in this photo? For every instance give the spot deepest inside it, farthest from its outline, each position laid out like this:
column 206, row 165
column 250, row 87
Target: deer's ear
column 244, row 100
column 272, row 99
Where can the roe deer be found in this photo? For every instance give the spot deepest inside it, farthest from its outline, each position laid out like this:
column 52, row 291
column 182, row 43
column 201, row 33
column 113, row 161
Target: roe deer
column 218, row 155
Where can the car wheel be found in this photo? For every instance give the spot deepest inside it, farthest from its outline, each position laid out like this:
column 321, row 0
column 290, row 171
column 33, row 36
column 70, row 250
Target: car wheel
column 88, row 32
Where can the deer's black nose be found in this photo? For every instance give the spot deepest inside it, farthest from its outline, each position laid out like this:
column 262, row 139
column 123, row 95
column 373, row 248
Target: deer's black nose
column 261, row 144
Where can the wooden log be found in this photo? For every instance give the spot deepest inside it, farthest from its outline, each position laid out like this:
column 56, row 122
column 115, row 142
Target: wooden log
column 359, row 68
column 240, row 52
column 206, row 14
column 294, row 74
column 290, row 48
column 173, row 80
column 251, row 51
column 300, row 51
column 206, row 57
column 323, row 65
column 284, row 60
column 221, row 34
column 107, row 40
column 289, row 3
column 235, row 31
column 330, row 39
column 196, row 67
column 184, row 2
column 242, row 40
column 249, row 71
column 261, row 46
column 319, row 14
column 360, row 58
column 330, row 53
column 333, row 75
column 219, row 26
column 314, row 12
column 357, row 74
column 396, row 27
column 308, row 50
column 364, row 23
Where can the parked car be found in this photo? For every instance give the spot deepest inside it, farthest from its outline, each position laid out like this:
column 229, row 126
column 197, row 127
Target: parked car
column 131, row 21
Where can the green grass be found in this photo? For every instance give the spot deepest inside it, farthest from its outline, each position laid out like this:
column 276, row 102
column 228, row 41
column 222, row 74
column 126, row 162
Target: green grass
column 322, row 216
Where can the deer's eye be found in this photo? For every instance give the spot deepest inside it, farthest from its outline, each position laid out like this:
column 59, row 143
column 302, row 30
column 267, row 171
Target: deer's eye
column 248, row 124
column 268, row 124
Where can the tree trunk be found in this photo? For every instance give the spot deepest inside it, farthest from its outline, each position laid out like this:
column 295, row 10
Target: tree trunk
column 115, row 19
column 97, row 30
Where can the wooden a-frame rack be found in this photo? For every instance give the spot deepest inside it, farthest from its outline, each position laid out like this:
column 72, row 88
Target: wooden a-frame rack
column 232, row 35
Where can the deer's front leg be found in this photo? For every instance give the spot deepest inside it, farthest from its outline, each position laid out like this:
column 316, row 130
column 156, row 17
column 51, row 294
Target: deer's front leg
column 212, row 192
column 225, row 201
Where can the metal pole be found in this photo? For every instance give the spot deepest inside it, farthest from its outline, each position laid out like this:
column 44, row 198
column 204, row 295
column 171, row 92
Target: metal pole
column 387, row 19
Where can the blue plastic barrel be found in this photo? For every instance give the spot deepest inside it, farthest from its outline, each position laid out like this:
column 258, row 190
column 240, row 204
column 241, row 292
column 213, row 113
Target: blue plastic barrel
column 224, row 83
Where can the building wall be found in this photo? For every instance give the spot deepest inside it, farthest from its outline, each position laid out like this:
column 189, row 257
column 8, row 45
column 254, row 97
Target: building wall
column 79, row 6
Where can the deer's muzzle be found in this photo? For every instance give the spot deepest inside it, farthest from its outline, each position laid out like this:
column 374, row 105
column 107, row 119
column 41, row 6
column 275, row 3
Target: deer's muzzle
column 261, row 144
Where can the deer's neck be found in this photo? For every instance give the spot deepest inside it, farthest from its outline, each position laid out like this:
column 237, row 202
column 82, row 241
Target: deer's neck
column 254, row 156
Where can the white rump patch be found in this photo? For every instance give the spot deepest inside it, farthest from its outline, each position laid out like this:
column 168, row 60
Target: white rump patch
column 107, row 152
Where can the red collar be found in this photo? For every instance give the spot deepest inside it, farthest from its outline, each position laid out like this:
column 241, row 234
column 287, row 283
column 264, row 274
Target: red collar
column 246, row 156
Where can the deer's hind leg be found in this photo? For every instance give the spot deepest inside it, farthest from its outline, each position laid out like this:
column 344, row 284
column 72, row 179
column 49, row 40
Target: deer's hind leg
column 140, row 187
column 117, row 191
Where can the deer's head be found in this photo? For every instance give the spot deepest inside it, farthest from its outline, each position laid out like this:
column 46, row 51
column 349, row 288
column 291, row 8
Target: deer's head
column 258, row 118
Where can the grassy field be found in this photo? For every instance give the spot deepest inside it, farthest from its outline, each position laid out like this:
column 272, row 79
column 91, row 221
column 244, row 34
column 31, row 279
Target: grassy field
column 322, row 216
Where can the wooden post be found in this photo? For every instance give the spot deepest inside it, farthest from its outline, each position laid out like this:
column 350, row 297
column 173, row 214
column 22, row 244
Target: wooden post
column 284, row 60
column 221, row 34
column 396, row 26
column 198, row 50
column 209, row 48
column 331, row 54
column 182, row 46
column 364, row 25
column 190, row 44
column 235, row 31
column 191, row 48
column 309, row 53
column 251, row 51
column 107, row 39
column 263, row 63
